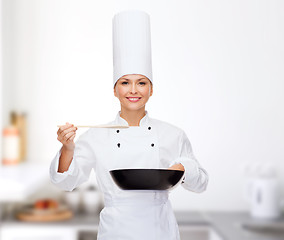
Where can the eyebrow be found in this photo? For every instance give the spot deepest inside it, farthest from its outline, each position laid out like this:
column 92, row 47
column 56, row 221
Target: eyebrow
column 130, row 79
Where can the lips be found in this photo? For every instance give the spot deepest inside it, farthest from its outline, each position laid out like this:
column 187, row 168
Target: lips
column 133, row 99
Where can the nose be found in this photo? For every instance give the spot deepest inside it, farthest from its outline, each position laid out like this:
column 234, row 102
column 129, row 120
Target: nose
column 133, row 89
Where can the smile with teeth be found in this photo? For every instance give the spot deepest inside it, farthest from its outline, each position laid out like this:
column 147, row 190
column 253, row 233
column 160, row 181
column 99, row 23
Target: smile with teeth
column 132, row 99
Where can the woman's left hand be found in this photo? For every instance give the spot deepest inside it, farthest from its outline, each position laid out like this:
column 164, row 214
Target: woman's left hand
column 178, row 166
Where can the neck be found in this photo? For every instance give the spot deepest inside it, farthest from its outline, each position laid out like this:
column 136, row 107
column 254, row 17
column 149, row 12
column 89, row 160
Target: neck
column 132, row 117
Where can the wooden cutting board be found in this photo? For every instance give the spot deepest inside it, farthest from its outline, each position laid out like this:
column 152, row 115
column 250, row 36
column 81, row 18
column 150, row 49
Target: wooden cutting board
column 48, row 215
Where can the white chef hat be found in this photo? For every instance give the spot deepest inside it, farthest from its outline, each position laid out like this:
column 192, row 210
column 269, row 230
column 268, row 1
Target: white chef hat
column 131, row 44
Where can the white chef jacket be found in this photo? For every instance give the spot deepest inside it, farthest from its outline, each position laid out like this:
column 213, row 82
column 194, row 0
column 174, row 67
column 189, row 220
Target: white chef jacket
column 132, row 214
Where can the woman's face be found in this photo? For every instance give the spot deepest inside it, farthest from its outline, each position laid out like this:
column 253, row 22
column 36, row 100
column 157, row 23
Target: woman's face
column 133, row 91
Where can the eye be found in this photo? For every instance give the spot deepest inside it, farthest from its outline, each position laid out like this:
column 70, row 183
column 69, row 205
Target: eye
column 124, row 82
column 142, row 83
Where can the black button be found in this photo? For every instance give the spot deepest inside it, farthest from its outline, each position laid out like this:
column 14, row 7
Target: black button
column 117, row 131
column 149, row 128
column 152, row 144
column 118, row 145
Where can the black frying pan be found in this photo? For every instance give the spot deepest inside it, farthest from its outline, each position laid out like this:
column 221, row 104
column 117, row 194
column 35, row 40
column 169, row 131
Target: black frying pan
column 146, row 179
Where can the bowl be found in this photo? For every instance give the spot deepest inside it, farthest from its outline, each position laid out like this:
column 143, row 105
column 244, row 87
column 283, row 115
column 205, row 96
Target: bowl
column 73, row 199
column 146, row 179
column 91, row 200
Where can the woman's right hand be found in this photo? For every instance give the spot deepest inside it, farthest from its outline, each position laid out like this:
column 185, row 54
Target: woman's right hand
column 66, row 135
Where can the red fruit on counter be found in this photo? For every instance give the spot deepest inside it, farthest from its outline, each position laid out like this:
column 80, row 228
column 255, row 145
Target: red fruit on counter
column 46, row 204
column 40, row 204
column 52, row 203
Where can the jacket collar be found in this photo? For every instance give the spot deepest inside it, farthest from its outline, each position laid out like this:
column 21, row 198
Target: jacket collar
column 121, row 121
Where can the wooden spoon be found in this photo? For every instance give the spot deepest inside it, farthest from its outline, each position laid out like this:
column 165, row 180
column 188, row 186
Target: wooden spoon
column 99, row 126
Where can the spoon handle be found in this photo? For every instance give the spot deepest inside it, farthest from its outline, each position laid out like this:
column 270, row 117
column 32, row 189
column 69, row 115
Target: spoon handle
column 100, row 126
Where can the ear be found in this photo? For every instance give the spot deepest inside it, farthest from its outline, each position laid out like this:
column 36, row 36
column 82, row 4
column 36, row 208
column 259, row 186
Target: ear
column 151, row 92
column 114, row 92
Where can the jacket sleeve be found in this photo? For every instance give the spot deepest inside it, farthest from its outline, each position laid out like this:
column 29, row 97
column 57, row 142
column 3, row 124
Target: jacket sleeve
column 195, row 177
column 80, row 168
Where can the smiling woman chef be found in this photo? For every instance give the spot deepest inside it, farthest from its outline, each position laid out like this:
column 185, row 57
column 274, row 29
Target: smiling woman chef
column 147, row 143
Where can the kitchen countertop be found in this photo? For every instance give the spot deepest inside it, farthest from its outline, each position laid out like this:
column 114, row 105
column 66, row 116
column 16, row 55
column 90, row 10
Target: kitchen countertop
column 235, row 225
column 227, row 224
column 230, row 226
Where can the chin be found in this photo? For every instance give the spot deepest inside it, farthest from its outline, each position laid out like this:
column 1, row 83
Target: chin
column 133, row 108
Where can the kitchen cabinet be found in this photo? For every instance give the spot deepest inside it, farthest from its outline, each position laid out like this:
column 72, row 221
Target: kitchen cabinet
column 80, row 227
column 36, row 232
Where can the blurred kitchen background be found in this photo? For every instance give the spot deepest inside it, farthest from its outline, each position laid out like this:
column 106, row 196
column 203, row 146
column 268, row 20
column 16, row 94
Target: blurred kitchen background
column 218, row 74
